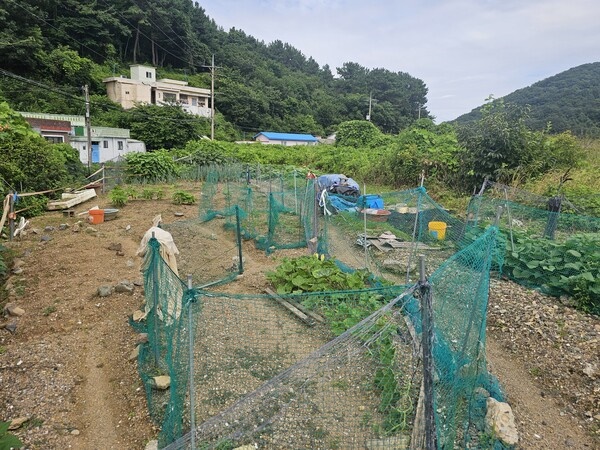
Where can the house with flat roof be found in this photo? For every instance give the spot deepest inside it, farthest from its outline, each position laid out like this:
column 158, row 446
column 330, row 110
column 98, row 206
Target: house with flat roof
column 143, row 88
column 269, row 137
column 108, row 143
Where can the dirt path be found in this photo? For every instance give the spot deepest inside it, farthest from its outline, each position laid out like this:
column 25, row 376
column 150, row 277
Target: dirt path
column 542, row 424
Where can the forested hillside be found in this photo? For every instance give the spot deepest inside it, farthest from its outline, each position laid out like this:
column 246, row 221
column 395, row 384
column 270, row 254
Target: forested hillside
column 64, row 44
column 567, row 101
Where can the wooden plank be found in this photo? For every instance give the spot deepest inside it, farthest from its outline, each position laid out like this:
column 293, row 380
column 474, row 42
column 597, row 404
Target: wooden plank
column 299, row 314
column 305, row 310
column 379, row 246
column 70, row 200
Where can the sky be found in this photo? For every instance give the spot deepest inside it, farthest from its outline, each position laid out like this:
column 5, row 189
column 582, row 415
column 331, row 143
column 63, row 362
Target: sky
column 463, row 50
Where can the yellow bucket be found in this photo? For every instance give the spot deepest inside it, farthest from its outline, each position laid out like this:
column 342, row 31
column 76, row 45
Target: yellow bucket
column 437, row 230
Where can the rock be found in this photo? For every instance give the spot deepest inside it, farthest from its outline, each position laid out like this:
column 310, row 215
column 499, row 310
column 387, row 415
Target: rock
column 76, row 228
column 75, row 432
column 152, row 445
column 91, row 230
column 130, row 263
column 105, row 291
column 162, row 382
column 17, row 270
column 125, row 287
column 246, row 447
column 591, row 370
column 393, row 264
column 138, row 283
column 128, row 227
column 10, row 327
column 142, row 338
column 17, row 262
column 389, row 443
column 500, row 421
column 120, row 253
column 138, row 316
column 35, row 231
column 48, row 229
column 45, row 238
column 63, row 226
column 13, row 310
column 16, row 423
column 179, row 214
column 115, row 246
column 135, row 353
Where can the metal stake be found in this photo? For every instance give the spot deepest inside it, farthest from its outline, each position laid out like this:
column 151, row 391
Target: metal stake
column 191, row 357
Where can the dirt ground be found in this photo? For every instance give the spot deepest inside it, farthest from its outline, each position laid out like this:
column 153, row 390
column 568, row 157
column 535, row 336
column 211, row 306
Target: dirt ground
column 67, row 366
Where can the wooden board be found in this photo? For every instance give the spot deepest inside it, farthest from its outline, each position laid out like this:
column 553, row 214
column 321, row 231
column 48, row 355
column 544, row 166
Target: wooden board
column 299, row 314
column 69, row 200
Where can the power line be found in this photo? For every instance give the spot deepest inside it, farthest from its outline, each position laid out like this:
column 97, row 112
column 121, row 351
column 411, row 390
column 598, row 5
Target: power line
column 149, row 38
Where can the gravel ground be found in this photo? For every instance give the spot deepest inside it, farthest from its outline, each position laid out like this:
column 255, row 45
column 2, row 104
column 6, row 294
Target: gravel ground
column 67, row 369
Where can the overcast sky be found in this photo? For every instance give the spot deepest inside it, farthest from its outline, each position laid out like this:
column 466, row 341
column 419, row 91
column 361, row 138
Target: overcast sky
column 464, row 50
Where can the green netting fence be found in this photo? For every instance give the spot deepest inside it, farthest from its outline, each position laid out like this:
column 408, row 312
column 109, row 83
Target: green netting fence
column 270, row 204
column 388, row 245
column 263, row 376
column 548, row 246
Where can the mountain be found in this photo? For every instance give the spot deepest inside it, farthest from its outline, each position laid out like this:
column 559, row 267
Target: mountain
column 64, row 44
column 569, row 100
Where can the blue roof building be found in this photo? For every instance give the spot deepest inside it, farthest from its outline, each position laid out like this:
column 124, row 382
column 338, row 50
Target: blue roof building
column 269, row 137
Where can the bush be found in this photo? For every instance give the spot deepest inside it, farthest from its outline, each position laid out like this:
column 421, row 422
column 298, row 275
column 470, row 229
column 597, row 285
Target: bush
column 150, row 167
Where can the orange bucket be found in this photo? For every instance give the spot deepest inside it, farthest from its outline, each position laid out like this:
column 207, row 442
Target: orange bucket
column 96, row 216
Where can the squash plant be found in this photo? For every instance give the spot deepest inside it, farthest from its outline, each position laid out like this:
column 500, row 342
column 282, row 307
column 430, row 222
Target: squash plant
column 569, row 268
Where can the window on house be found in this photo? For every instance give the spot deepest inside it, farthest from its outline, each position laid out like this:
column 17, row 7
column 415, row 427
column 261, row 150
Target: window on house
column 183, row 99
column 126, row 92
column 148, row 74
column 55, row 139
column 194, row 101
column 120, row 145
column 105, row 144
column 169, row 97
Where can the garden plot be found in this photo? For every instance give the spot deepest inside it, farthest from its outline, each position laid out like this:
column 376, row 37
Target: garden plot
column 357, row 391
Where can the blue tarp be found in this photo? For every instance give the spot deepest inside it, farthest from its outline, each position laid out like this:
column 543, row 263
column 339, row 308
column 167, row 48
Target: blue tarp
column 326, row 181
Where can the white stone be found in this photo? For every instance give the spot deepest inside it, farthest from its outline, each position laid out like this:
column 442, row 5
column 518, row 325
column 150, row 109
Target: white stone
column 500, row 421
column 162, row 382
column 152, row 445
column 16, row 423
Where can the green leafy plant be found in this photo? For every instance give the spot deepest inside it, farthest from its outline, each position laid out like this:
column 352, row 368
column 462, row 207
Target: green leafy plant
column 314, row 274
column 148, row 194
column 571, row 267
column 131, row 192
column 183, row 198
column 8, row 440
column 151, row 167
column 48, row 310
column 118, row 197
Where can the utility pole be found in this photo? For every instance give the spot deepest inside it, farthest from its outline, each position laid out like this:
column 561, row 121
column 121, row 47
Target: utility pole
column 88, row 127
column 370, row 102
column 212, row 100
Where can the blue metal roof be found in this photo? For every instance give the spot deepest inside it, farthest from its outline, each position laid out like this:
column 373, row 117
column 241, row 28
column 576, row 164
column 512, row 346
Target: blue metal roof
column 287, row 136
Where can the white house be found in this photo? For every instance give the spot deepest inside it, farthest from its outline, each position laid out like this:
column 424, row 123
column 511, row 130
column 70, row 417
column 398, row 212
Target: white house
column 269, row 137
column 107, row 143
column 144, row 88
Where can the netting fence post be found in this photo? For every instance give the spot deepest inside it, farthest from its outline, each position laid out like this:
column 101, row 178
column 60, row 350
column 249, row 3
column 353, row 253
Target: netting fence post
column 239, row 239
column 427, row 346
column 414, row 235
column 191, row 297
column 155, row 288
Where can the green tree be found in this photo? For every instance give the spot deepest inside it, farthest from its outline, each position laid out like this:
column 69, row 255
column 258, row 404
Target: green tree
column 424, row 148
column 165, row 126
column 358, row 133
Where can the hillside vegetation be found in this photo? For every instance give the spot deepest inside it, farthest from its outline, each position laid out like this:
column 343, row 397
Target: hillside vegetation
column 259, row 86
column 569, row 100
